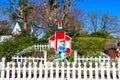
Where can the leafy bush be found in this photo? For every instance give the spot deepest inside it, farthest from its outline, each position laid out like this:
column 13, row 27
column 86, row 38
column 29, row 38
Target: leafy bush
column 83, row 33
column 100, row 35
column 89, row 46
column 11, row 47
column 43, row 41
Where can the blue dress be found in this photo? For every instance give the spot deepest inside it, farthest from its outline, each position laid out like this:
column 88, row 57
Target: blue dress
column 61, row 49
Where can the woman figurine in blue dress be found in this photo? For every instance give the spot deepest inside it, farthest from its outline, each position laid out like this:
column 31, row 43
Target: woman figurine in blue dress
column 61, row 49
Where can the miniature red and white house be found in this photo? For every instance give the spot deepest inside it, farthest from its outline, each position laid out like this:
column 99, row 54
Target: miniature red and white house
column 60, row 34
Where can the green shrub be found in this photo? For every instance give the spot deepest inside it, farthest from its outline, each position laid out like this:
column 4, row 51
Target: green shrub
column 11, row 47
column 89, row 46
column 100, row 35
column 43, row 41
column 83, row 33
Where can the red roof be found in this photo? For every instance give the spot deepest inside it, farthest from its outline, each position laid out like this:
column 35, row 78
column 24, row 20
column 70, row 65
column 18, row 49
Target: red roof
column 59, row 20
column 52, row 37
column 67, row 38
column 60, row 35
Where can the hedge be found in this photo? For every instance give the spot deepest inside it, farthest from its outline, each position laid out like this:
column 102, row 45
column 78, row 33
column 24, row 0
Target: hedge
column 10, row 47
column 89, row 46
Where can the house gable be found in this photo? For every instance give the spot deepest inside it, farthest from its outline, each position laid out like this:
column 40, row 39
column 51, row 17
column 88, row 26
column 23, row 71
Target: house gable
column 19, row 27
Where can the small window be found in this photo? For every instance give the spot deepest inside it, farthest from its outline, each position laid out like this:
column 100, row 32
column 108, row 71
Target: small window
column 17, row 29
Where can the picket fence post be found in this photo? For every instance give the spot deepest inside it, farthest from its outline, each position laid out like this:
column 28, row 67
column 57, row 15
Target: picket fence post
column 45, row 56
column 46, row 71
column 13, row 71
column 73, row 73
column 119, row 68
column 40, row 71
column 79, row 71
column 108, row 71
column 19, row 72
column 85, row 70
column 63, row 72
column 51, row 71
column 90, row 71
column 75, row 56
column 102, row 71
column 35, row 71
column 8, row 70
column 57, row 71
column 24, row 70
column 114, row 71
column 30, row 70
column 3, row 68
column 68, row 71
column 96, row 71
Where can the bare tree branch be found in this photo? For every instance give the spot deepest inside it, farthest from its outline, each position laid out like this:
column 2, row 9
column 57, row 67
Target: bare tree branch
column 16, row 9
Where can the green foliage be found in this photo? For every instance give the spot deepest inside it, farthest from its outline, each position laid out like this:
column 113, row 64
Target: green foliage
column 9, row 48
column 51, row 55
column 83, row 33
column 5, row 31
column 70, row 58
column 89, row 46
column 43, row 41
column 100, row 35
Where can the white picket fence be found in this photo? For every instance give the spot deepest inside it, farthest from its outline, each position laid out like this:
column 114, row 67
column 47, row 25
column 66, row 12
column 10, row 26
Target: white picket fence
column 21, row 59
column 90, row 59
column 39, row 47
column 83, row 69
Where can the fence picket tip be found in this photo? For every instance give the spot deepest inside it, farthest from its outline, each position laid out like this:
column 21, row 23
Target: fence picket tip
column 3, row 59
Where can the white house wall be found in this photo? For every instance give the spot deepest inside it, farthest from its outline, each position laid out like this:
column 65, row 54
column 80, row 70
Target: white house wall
column 67, row 44
column 16, row 29
column 52, row 45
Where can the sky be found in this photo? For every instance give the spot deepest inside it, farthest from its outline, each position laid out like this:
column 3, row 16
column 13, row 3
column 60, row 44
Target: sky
column 110, row 6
